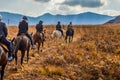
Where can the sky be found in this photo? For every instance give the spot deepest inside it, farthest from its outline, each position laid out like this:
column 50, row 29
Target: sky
column 39, row 7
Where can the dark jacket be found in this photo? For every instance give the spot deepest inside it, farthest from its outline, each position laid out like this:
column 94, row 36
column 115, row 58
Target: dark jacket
column 69, row 27
column 3, row 29
column 23, row 27
column 58, row 27
column 39, row 27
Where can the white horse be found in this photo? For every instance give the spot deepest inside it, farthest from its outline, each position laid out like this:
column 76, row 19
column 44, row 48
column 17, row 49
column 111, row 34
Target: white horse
column 56, row 34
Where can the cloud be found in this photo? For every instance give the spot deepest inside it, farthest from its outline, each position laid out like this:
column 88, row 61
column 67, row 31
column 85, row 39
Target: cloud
column 85, row 3
column 42, row 0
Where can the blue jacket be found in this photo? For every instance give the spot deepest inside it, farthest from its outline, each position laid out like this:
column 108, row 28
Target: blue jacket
column 23, row 27
column 3, row 29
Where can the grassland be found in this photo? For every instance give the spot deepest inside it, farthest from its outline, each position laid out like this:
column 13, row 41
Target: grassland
column 94, row 54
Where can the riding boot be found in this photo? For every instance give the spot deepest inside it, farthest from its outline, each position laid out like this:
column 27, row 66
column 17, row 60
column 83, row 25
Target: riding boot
column 10, row 57
column 9, row 46
column 32, row 42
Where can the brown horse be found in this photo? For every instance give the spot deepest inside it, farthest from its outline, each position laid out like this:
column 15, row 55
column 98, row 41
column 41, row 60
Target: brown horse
column 21, row 43
column 3, row 60
column 39, row 39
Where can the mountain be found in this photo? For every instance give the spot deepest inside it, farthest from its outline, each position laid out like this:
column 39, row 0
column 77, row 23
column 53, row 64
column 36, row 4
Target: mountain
column 47, row 18
column 115, row 20
column 14, row 19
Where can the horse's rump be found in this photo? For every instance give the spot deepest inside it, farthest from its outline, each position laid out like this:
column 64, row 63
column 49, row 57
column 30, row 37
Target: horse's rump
column 70, row 32
column 3, row 55
column 57, row 33
column 22, row 42
column 38, row 37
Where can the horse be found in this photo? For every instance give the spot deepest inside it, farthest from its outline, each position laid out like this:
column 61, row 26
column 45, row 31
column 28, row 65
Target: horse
column 56, row 34
column 69, row 34
column 3, row 59
column 22, row 43
column 39, row 39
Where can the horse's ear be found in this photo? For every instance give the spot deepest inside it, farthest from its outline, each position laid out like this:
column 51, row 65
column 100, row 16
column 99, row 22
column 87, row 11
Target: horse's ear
column 13, row 39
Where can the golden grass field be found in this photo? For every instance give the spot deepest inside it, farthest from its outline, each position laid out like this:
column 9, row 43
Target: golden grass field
column 94, row 54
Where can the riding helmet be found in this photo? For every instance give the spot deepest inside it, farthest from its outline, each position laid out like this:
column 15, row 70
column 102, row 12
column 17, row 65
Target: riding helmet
column 25, row 18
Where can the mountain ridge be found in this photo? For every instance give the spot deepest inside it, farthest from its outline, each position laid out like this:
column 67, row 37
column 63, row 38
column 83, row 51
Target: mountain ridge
column 47, row 18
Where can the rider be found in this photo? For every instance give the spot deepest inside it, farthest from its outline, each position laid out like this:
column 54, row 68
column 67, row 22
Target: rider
column 58, row 27
column 70, row 27
column 4, row 40
column 23, row 28
column 39, row 28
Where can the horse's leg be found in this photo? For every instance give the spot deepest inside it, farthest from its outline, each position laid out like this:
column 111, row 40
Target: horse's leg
column 72, row 37
column 16, row 51
column 69, row 39
column 38, row 47
column 66, row 38
column 16, row 58
column 42, row 43
column 2, row 71
column 22, row 56
column 28, row 54
column 42, row 46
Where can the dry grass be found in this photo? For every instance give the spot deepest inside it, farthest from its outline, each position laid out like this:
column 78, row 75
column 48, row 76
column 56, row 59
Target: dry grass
column 93, row 55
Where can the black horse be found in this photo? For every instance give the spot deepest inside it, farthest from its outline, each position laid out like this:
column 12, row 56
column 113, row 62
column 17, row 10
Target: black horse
column 69, row 35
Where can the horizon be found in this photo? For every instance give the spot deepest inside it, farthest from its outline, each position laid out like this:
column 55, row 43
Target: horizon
column 36, row 8
column 56, row 14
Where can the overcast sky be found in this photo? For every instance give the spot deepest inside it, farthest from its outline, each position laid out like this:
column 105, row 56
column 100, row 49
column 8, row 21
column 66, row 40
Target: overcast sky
column 39, row 7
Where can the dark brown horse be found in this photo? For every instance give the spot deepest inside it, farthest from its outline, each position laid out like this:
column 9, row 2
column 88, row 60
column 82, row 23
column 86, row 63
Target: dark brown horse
column 39, row 39
column 69, row 35
column 21, row 43
column 3, row 60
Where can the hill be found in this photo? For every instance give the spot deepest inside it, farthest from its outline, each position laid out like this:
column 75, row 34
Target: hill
column 82, row 18
column 115, row 20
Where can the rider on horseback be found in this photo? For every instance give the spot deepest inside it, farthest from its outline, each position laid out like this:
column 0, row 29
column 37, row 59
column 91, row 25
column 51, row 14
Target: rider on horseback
column 70, row 27
column 58, row 27
column 39, row 28
column 4, row 40
column 23, row 28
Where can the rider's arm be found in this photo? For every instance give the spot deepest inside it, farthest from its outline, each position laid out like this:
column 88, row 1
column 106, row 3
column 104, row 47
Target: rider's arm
column 5, row 30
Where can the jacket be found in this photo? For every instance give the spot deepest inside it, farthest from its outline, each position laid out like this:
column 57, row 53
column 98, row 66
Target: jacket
column 3, row 29
column 23, row 27
column 58, row 27
column 39, row 27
